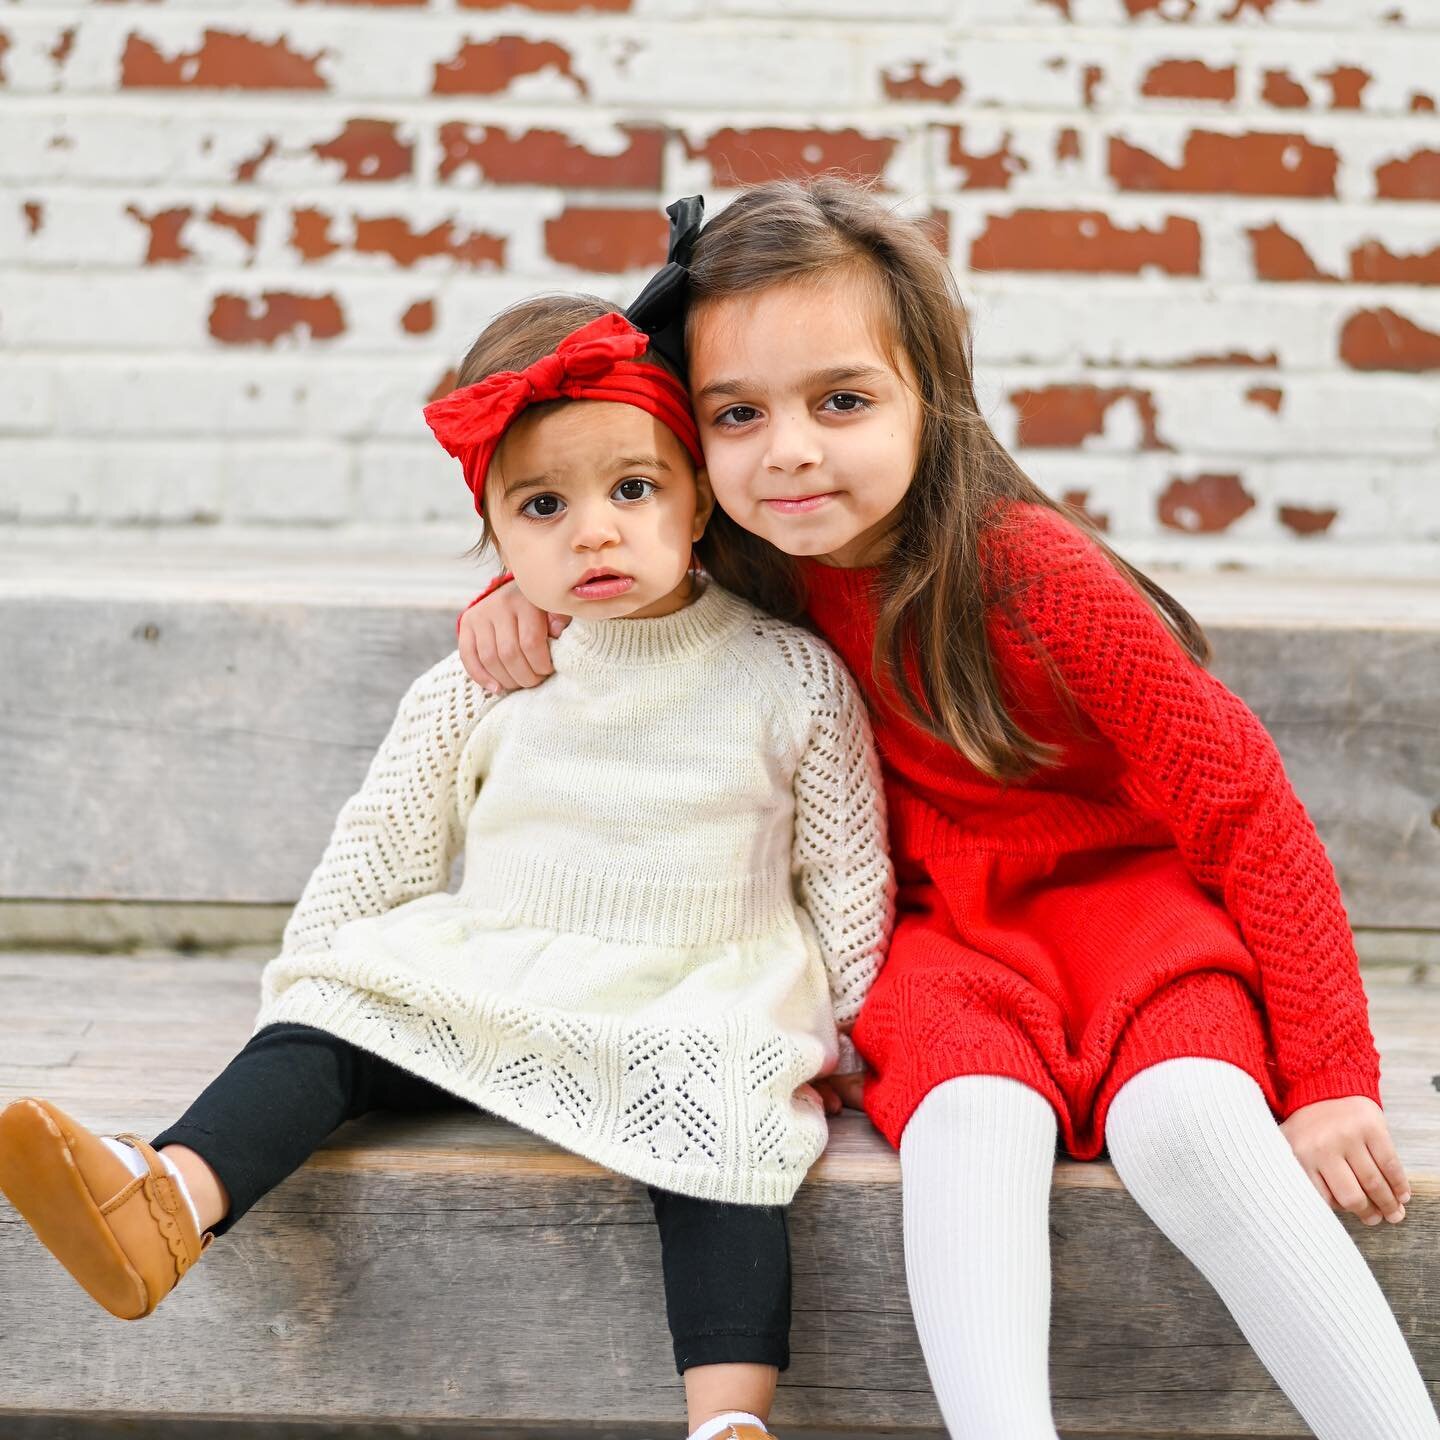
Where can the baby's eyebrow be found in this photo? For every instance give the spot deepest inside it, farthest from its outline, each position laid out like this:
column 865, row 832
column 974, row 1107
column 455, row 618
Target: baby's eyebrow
column 640, row 462
column 529, row 482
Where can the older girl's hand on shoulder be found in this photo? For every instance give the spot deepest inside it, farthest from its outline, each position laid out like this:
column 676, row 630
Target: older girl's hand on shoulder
column 1347, row 1152
column 504, row 641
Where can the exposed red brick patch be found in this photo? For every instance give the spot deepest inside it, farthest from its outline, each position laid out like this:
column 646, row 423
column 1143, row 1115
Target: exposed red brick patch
column 1231, row 359
column 1271, row 397
column 549, row 7
column 369, row 150
column 60, row 51
column 1415, row 178
column 165, row 226
column 1383, row 339
column 1306, row 522
column 606, row 241
column 1374, row 263
column 1214, row 164
column 224, row 61
column 264, row 319
column 1063, row 6
column 550, row 158
column 1283, row 91
column 750, row 157
column 1090, row 83
column 1189, row 80
column 1079, row 501
column 392, row 235
column 247, row 227
column 1278, row 255
column 1067, row 145
column 443, row 386
column 34, row 213
column 1065, row 415
column 913, row 85
column 4, row 46
column 1347, row 84
column 1421, row 104
column 487, row 67
column 247, row 169
column 1205, row 505
column 1084, row 240
column 992, row 171
column 1136, row 8
column 419, row 319
column 310, row 234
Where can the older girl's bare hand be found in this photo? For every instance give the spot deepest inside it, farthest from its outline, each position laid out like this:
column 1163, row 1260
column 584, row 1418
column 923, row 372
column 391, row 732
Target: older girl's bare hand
column 505, row 641
column 1347, row 1152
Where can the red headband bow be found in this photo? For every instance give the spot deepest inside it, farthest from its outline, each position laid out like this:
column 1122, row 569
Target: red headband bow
column 596, row 362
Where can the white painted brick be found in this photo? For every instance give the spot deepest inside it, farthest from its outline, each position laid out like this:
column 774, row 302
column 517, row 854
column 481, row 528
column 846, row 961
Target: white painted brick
column 27, row 398
column 287, row 484
column 411, row 483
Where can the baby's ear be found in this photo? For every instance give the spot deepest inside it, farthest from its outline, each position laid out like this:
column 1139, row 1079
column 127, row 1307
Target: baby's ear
column 704, row 503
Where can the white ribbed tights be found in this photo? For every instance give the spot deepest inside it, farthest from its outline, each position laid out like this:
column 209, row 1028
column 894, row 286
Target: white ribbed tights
column 1196, row 1145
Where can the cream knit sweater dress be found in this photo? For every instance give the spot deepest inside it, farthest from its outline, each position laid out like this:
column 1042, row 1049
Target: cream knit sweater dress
column 675, row 882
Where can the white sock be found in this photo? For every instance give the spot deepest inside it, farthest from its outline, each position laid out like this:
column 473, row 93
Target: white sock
column 135, row 1163
column 721, row 1422
column 1196, row 1145
column 976, row 1162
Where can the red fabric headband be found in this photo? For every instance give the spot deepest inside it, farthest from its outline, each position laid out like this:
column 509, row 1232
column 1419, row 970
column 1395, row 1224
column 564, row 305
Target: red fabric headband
column 596, row 362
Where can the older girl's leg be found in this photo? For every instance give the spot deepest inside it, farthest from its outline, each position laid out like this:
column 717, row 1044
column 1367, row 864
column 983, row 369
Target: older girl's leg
column 1196, row 1145
column 976, row 1162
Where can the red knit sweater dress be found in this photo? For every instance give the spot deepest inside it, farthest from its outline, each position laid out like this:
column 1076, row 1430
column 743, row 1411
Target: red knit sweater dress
column 1159, row 893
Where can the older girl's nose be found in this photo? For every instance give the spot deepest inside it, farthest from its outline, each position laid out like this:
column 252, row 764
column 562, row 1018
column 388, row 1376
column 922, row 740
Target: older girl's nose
column 793, row 444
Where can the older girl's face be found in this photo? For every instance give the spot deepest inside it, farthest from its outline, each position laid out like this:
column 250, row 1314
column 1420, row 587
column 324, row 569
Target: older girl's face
column 810, row 427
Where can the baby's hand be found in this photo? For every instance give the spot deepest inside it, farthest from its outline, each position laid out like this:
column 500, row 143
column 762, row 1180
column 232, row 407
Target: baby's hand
column 505, row 641
column 836, row 1091
column 1346, row 1150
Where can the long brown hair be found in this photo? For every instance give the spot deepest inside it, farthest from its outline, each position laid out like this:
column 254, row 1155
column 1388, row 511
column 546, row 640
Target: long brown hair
column 934, row 592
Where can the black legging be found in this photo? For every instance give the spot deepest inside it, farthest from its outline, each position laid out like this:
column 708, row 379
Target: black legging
column 727, row 1267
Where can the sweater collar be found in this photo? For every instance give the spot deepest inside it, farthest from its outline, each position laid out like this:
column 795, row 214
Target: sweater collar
column 709, row 618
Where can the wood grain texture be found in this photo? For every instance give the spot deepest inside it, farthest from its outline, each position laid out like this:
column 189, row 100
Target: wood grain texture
column 449, row 1268
column 192, row 740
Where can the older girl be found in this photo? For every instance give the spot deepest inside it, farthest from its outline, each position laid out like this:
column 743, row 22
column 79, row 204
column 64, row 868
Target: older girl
column 1116, row 921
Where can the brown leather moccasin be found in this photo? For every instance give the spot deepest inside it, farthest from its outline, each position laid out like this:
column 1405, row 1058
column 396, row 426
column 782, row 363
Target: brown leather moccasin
column 127, row 1239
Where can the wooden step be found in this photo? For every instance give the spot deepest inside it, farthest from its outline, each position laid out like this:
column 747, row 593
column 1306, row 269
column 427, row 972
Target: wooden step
column 438, row 1272
column 198, row 712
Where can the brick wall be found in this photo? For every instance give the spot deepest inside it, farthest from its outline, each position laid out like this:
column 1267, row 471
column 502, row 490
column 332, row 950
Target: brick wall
column 241, row 245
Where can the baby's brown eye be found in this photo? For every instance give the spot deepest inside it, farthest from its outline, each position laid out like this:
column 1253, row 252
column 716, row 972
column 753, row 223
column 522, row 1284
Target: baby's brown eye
column 635, row 489
column 542, row 507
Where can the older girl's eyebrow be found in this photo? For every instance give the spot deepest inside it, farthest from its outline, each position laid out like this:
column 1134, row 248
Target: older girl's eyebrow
column 817, row 379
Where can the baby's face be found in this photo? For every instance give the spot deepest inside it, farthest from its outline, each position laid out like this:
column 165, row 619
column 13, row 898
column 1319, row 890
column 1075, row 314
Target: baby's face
column 595, row 506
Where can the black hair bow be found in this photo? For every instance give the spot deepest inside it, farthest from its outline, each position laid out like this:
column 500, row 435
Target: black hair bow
column 659, row 309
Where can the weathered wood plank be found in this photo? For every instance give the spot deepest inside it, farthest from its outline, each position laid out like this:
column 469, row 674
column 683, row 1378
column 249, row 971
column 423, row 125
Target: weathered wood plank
column 450, row 1268
column 190, row 736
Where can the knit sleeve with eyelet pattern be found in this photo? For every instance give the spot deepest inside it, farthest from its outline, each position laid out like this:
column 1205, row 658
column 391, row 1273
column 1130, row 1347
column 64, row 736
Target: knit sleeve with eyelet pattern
column 841, row 863
column 396, row 837
column 1203, row 762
